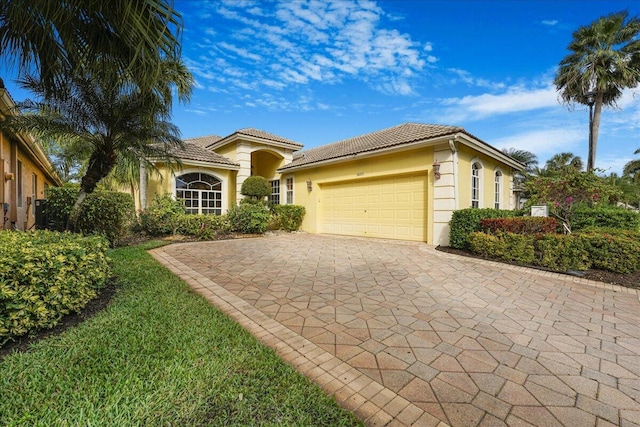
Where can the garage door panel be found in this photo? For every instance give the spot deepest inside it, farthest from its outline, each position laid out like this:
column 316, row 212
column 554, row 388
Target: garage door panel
column 392, row 207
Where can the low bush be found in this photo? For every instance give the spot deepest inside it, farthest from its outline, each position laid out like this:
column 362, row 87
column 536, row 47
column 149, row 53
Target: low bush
column 562, row 252
column 107, row 213
column 45, row 275
column 160, row 217
column 466, row 221
column 605, row 217
column 618, row 251
column 249, row 218
column 520, row 225
column 204, row 227
column 505, row 246
column 288, row 217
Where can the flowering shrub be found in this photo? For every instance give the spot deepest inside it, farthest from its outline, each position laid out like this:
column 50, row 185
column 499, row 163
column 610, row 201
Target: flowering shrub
column 45, row 275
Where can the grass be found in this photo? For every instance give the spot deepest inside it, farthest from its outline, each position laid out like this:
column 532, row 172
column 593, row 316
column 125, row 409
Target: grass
column 158, row 355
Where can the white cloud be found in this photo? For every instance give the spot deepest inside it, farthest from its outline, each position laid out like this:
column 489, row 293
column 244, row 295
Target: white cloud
column 543, row 142
column 324, row 41
column 550, row 22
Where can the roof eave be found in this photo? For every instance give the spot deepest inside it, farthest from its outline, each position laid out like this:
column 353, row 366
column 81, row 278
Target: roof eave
column 240, row 136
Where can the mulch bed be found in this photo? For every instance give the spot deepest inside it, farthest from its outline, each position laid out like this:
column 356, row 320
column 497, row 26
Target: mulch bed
column 631, row 280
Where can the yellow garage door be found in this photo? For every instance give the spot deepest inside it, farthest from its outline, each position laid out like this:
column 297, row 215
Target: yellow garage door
column 390, row 208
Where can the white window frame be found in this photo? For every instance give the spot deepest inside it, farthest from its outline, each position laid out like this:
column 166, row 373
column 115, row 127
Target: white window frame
column 289, row 194
column 498, row 178
column 218, row 210
column 274, row 198
column 476, row 183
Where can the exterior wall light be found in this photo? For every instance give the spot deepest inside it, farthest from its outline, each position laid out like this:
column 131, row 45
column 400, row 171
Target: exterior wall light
column 309, row 185
column 8, row 176
column 436, row 170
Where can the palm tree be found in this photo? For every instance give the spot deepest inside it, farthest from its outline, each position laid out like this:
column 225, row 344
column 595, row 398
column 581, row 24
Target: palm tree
column 561, row 163
column 52, row 38
column 106, row 112
column 604, row 60
column 632, row 168
column 527, row 158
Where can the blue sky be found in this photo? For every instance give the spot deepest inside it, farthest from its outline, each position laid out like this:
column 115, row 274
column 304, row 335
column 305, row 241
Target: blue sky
column 321, row 71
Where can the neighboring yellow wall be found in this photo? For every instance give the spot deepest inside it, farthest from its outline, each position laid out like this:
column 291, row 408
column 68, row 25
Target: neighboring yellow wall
column 229, row 151
column 404, row 162
column 465, row 157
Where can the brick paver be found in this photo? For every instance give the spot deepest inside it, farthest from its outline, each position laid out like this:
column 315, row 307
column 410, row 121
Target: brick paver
column 403, row 334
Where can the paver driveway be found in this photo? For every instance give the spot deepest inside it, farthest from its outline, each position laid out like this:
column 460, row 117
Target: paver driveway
column 403, row 334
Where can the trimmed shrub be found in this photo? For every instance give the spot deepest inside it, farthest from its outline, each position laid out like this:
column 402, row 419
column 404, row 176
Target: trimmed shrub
column 288, row 217
column 256, row 187
column 466, row 221
column 204, row 227
column 45, row 275
column 562, row 252
column 506, row 246
column 618, row 252
column 520, row 225
column 249, row 218
column 107, row 213
column 605, row 217
column 160, row 217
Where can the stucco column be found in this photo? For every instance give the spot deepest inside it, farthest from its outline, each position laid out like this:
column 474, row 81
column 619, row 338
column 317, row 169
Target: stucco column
column 243, row 157
column 443, row 196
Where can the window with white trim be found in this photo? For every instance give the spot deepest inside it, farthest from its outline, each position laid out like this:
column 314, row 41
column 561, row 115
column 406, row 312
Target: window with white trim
column 497, row 189
column 289, row 191
column 475, row 184
column 274, row 198
column 200, row 192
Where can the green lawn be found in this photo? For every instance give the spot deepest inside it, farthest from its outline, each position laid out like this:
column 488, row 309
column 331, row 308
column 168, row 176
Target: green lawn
column 159, row 355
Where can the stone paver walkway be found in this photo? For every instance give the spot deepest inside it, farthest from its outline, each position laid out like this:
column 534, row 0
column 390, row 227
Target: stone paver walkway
column 403, row 334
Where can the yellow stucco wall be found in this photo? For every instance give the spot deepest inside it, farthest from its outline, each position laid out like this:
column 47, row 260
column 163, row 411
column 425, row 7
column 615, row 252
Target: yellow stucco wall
column 366, row 168
column 265, row 163
column 466, row 156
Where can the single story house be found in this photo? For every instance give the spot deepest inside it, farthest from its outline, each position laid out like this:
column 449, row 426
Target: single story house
column 25, row 173
column 403, row 182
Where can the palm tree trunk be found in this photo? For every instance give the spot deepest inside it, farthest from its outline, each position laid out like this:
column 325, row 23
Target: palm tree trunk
column 595, row 128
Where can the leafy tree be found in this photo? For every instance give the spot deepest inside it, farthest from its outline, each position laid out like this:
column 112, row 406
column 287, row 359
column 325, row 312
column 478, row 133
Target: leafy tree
column 571, row 189
column 52, row 39
column 604, row 60
column 104, row 111
column 527, row 158
column 632, row 168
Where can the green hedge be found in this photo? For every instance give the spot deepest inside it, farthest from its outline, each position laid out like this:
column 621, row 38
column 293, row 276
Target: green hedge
column 604, row 217
column 107, row 213
column 559, row 252
column 520, row 225
column 466, row 221
column 160, row 217
column 249, row 218
column 288, row 217
column 45, row 275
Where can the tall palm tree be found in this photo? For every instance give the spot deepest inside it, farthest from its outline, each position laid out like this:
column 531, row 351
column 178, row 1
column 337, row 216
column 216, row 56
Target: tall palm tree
column 106, row 112
column 604, row 60
column 50, row 38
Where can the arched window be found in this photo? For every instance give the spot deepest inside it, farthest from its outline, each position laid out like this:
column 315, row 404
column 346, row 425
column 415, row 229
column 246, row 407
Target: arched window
column 475, row 184
column 201, row 193
column 497, row 189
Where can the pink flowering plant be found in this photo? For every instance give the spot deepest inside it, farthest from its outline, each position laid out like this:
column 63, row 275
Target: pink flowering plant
column 572, row 189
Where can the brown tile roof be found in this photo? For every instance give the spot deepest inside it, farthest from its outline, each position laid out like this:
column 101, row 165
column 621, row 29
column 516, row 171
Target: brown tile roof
column 204, row 141
column 385, row 138
column 256, row 133
column 193, row 151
